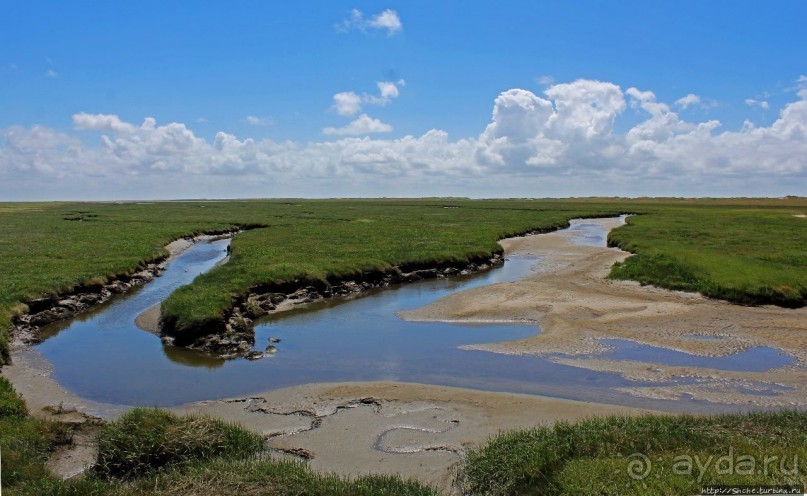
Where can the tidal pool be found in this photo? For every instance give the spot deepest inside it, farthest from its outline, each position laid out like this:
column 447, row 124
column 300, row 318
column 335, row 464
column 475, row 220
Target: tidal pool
column 102, row 356
column 756, row 359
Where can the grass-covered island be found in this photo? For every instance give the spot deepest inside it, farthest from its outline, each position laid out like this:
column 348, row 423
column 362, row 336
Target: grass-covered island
column 747, row 251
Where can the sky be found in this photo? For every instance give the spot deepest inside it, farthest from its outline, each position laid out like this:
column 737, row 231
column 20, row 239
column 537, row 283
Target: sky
column 108, row 100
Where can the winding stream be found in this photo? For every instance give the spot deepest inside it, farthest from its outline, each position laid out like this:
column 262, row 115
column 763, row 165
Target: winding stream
column 102, row 356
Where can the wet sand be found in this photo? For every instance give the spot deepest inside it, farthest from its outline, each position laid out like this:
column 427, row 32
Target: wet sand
column 149, row 320
column 575, row 306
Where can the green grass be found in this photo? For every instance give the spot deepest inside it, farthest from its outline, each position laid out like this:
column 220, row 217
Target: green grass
column 147, row 439
column 748, row 254
column 682, row 454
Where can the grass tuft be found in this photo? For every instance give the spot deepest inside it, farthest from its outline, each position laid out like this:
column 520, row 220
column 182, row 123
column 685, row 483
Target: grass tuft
column 144, row 440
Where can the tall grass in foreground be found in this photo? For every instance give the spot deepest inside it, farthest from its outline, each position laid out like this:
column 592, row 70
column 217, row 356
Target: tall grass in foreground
column 147, row 439
column 25, row 442
column 642, row 455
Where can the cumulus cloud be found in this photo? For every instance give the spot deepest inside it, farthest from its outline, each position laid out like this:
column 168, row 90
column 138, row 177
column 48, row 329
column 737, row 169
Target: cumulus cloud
column 389, row 90
column 388, row 21
column 561, row 142
column 347, row 103
column 757, row 103
column 364, row 124
column 688, row 101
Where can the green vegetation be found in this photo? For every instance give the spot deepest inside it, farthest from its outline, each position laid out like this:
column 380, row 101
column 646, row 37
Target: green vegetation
column 748, row 251
column 330, row 241
column 667, row 455
column 145, row 440
column 25, row 442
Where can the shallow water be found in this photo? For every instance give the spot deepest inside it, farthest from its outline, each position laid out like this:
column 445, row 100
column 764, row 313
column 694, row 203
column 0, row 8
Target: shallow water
column 757, row 359
column 104, row 357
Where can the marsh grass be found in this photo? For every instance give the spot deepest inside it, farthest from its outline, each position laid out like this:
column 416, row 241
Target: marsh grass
column 593, row 456
column 750, row 255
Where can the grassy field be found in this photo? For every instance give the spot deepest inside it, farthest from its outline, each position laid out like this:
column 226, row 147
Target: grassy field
column 749, row 251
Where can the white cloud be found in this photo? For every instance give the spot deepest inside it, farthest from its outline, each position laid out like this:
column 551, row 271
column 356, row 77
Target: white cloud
column 584, row 107
column 688, row 101
column 255, row 120
column 388, row 21
column 347, row 103
column 388, row 89
column 561, row 143
column 757, row 103
column 364, row 124
column 545, row 80
column 51, row 73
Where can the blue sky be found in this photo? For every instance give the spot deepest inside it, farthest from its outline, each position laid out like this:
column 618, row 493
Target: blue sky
column 269, row 72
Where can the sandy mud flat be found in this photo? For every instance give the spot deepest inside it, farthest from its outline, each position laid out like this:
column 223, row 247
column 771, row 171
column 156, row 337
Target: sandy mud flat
column 414, row 430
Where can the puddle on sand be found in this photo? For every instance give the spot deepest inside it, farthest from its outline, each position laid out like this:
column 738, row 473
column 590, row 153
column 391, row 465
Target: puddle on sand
column 104, row 357
column 757, row 359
